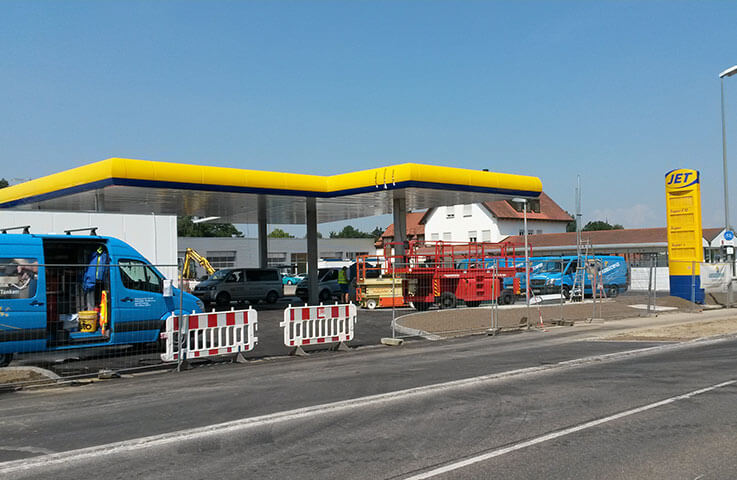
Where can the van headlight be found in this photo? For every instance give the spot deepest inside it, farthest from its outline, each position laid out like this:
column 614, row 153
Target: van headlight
column 213, row 288
column 550, row 281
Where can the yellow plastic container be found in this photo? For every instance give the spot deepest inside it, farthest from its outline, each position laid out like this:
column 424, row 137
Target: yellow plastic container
column 88, row 321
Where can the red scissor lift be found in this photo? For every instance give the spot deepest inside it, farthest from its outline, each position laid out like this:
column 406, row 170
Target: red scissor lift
column 443, row 273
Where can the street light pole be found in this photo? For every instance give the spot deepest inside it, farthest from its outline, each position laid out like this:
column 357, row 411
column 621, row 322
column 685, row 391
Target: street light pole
column 726, row 73
column 523, row 201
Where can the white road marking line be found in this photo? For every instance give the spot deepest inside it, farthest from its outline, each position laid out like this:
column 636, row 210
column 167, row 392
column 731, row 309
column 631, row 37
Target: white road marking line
column 126, row 446
column 560, row 433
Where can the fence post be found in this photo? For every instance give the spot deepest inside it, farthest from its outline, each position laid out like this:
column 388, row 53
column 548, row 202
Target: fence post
column 650, row 286
column 562, row 310
column 495, row 299
column 729, row 282
column 394, row 296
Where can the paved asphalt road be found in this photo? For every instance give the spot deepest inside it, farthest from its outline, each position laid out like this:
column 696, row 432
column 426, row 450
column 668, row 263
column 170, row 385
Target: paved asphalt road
column 506, row 406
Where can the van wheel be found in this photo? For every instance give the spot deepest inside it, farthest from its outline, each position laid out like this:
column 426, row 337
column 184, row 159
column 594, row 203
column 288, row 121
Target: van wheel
column 448, row 300
column 223, row 300
column 5, row 359
column 612, row 291
column 272, row 297
column 371, row 304
column 566, row 291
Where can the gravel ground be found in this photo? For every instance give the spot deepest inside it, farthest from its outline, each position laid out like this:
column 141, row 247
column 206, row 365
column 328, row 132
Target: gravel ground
column 679, row 333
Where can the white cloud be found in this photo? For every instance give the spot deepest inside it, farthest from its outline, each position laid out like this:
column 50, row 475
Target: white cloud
column 635, row 216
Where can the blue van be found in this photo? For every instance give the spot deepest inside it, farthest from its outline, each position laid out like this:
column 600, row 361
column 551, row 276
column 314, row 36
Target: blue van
column 556, row 274
column 536, row 263
column 48, row 282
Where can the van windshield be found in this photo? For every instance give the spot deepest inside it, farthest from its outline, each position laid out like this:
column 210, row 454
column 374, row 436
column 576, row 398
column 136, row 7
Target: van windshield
column 551, row 267
column 219, row 275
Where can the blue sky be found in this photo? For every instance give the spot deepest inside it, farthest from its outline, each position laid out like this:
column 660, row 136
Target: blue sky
column 618, row 92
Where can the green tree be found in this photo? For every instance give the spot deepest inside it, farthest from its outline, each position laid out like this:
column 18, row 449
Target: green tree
column 376, row 234
column 350, row 232
column 279, row 233
column 187, row 228
column 600, row 225
column 3, row 183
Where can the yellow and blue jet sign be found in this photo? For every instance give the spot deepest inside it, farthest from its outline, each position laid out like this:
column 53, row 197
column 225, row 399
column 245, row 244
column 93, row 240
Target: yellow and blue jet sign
column 685, row 237
column 681, row 179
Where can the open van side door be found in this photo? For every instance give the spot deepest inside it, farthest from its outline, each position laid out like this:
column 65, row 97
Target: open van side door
column 23, row 303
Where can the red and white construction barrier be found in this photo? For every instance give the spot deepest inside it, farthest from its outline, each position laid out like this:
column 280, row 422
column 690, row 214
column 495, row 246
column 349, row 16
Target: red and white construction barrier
column 314, row 325
column 208, row 334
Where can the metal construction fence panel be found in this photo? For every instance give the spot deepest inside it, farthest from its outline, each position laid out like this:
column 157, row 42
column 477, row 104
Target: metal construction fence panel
column 210, row 334
column 321, row 324
column 77, row 313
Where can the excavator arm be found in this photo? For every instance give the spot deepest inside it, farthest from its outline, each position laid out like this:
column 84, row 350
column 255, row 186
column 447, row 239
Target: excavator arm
column 192, row 255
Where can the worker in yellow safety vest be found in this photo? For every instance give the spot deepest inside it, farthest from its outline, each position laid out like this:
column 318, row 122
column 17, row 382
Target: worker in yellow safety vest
column 343, row 284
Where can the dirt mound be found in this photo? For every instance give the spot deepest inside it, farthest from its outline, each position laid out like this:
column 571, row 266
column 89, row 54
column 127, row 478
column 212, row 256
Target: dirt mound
column 462, row 321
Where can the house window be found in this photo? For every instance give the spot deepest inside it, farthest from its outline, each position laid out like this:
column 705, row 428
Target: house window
column 533, row 205
column 539, row 232
column 485, row 235
column 450, row 211
column 446, row 236
column 435, row 236
column 472, row 236
column 467, row 210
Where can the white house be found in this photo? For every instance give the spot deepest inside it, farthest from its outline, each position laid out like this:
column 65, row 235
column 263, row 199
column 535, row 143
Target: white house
column 494, row 221
column 483, row 222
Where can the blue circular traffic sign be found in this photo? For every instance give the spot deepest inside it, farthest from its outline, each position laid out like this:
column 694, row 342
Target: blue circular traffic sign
column 729, row 235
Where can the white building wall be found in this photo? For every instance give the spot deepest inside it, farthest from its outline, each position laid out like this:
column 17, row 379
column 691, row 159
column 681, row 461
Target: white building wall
column 153, row 236
column 640, row 279
column 245, row 250
column 534, row 227
column 438, row 226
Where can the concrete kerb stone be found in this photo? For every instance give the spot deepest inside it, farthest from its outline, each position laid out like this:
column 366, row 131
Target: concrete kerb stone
column 413, row 332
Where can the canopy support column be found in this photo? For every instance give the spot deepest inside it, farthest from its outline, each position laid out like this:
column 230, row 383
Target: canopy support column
column 312, row 280
column 399, row 209
column 263, row 246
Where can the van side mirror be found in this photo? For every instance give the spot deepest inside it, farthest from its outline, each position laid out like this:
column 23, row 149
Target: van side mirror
column 168, row 288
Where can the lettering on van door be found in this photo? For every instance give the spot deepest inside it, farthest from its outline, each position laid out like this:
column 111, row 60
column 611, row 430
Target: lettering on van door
column 143, row 301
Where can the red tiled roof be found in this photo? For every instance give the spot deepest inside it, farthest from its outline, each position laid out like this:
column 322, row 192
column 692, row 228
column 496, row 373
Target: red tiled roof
column 549, row 210
column 605, row 237
column 414, row 227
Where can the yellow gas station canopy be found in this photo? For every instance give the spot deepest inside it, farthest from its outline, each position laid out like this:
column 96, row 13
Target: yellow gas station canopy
column 140, row 186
